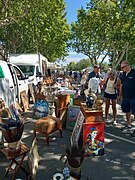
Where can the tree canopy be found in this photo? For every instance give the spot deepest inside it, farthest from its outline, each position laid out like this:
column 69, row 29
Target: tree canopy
column 78, row 66
column 105, row 27
column 35, row 26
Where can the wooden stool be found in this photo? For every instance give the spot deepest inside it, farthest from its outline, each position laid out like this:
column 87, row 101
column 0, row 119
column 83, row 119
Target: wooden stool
column 48, row 125
column 18, row 163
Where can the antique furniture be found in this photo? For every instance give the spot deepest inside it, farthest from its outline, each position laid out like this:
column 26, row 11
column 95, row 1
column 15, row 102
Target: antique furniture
column 63, row 100
column 47, row 125
column 61, row 103
column 16, row 159
column 50, row 93
column 76, row 101
column 91, row 115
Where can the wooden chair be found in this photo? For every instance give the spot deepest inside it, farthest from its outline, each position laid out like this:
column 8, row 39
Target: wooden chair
column 47, row 125
column 17, row 160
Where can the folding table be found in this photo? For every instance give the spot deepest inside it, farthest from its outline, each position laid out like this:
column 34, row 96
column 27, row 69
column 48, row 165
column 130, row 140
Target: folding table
column 17, row 160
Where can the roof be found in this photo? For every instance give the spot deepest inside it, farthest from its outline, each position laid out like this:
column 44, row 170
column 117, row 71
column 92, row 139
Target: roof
column 21, row 59
column 26, row 58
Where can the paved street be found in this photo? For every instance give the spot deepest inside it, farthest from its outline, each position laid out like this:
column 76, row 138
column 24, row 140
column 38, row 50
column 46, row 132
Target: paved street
column 117, row 163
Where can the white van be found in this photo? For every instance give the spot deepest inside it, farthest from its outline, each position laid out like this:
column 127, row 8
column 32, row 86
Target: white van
column 32, row 65
column 22, row 79
column 12, row 83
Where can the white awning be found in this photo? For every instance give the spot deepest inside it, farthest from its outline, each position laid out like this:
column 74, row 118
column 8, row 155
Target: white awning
column 51, row 65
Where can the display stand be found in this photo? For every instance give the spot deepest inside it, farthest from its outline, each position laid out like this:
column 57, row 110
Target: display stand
column 93, row 131
column 91, row 115
column 50, row 97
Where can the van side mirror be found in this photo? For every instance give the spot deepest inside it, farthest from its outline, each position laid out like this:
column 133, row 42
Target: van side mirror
column 26, row 76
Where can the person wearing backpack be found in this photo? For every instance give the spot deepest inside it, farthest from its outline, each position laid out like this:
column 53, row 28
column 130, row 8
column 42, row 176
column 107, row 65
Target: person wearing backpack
column 110, row 95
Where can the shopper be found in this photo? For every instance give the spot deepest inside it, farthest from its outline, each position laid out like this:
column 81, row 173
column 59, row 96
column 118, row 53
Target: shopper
column 94, row 73
column 94, row 79
column 83, row 84
column 110, row 94
column 127, row 93
column 84, row 77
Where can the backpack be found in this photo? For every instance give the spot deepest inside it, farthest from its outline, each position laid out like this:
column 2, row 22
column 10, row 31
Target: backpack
column 41, row 109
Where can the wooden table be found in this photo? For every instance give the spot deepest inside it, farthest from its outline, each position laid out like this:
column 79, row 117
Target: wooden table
column 91, row 115
column 14, row 159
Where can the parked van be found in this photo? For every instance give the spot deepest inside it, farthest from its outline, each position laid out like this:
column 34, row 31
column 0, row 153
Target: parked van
column 32, row 65
column 12, row 83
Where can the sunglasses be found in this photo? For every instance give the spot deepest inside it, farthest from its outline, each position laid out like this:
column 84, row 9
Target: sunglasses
column 123, row 67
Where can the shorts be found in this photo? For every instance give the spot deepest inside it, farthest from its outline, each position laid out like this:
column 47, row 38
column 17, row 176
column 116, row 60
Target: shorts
column 128, row 105
column 110, row 96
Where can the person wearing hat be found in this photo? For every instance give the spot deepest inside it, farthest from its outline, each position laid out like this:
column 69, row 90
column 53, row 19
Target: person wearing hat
column 94, row 74
column 127, row 93
column 110, row 94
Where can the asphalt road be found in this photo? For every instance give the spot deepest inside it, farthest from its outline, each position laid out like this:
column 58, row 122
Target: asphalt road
column 117, row 163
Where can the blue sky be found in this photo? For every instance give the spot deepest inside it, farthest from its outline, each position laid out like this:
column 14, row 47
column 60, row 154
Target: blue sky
column 72, row 6
column 71, row 9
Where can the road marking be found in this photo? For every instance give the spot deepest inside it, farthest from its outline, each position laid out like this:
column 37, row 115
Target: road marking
column 123, row 139
column 118, row 162
column 120, row 178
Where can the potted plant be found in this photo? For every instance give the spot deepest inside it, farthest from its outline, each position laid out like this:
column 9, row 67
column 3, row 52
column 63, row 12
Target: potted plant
column 74, row 158
column 12, row 131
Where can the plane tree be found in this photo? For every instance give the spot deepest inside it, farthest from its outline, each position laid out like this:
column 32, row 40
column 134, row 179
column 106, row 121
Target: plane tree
column 105, row 27
column 80, row 65
column 11, row 11
column 86, row 37
column 35, row 26
column 122, row 31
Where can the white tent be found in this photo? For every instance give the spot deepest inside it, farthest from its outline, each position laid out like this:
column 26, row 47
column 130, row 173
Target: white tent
column 51, row 65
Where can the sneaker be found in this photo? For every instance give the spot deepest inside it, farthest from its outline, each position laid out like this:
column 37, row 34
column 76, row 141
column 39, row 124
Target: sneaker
column 126, row 128
column 133, row 134
column 108, row 121
column 114, row 123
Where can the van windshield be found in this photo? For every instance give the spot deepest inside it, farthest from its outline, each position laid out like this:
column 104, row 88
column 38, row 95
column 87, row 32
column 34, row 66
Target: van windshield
column 27, row 69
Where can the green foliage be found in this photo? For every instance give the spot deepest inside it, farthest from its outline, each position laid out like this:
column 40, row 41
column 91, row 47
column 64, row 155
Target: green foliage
column 71, row 66
column 78, row 66
column 104, row 27
column 36, row 26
